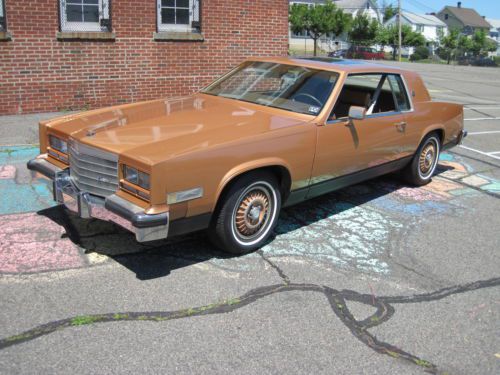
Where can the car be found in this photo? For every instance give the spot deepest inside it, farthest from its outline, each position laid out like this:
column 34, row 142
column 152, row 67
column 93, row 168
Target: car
column 365, row 53
column 340, row 53
column 271, row 133
column 477, row 61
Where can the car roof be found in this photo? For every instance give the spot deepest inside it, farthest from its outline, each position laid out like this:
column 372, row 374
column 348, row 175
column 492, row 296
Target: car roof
column 333, row 64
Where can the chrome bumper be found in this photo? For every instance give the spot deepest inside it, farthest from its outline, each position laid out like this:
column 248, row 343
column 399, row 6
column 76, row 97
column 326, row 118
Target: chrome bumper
column 113, row 208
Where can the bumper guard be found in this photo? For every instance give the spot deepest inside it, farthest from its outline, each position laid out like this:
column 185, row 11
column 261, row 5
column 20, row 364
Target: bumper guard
column 113, row 208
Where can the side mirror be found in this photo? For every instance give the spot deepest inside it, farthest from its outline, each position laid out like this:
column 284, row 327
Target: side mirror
column 357, row 113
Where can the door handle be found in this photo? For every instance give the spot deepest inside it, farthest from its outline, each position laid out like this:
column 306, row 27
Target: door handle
column 401, row 126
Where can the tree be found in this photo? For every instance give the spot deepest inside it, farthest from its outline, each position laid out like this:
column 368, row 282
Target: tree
column 363, row 31
column 449, row 43
column 389, row 12
column 318, row 20
column 389, row 36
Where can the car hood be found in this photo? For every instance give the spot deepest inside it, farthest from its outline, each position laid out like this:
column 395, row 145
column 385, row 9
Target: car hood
column 157, row 130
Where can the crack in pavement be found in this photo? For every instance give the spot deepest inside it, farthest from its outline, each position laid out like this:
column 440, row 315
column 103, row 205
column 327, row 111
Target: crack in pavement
column 282, row 275
column 336, row 298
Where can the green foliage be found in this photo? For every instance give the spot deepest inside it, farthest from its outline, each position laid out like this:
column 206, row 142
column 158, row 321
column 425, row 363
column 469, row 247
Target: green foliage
column 389, row 36
column 363, row 30
column 318, row 20
column 448, row 44
column 389, row 12
column 421, row 53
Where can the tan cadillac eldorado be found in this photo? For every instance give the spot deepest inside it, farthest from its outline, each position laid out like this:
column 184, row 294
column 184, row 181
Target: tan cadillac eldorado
column 272, row 132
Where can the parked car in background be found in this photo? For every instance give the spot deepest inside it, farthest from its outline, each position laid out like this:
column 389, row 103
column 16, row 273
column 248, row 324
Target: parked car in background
column 477, row 61
column 339, row 54
column 365, row 53
column 271, row 133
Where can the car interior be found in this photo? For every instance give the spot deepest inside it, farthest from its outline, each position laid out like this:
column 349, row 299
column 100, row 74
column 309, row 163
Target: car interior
column 361, row 95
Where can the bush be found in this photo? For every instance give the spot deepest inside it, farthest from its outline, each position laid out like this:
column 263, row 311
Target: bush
column 421, row 53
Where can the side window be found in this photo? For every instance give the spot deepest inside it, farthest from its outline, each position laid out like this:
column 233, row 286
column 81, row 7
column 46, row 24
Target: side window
column 85, row 15
column 384, row 99
column 400, row 93
column 359, row 90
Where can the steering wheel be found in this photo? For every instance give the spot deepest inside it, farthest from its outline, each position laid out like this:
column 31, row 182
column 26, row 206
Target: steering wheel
column 310, row 97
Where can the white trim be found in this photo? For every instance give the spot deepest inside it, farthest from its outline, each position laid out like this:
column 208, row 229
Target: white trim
column 176, row 27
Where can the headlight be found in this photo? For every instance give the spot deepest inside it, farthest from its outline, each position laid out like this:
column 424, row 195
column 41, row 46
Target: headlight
column 136, row 177
column 58, row 144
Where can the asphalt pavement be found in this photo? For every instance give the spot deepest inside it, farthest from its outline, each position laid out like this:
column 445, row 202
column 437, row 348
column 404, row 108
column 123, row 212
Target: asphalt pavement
column 378, row 278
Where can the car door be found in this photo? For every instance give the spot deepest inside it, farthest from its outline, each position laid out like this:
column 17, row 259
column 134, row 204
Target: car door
column 349, row 147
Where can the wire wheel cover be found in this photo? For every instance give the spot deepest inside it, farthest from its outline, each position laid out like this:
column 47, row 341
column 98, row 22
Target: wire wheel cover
column 427, row 158
column 253, row 212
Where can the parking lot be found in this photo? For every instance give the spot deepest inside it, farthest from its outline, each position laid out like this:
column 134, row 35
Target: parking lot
column 378, row 278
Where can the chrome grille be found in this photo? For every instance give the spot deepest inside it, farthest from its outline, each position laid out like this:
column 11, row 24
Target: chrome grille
column 93, row 170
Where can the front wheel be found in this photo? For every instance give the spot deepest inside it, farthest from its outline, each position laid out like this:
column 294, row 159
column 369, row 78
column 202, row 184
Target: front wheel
column 248, row 213
column 419, row 172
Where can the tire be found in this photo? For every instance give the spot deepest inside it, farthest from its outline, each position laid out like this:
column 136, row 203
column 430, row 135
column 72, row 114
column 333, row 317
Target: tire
column 419, row 172
column 247, row 213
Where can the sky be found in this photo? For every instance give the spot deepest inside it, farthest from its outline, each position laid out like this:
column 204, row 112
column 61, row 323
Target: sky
column 488, row 8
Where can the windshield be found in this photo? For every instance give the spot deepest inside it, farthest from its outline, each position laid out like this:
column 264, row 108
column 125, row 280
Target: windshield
column 289, row 87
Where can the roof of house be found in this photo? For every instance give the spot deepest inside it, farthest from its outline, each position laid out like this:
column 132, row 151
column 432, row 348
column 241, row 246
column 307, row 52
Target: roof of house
column 494, row 23
column 423, row 19
column 468, row 16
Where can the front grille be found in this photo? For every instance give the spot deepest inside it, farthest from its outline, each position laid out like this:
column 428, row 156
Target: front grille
column 93, row 170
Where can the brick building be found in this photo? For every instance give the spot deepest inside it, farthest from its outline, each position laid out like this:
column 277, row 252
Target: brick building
column 73, row 54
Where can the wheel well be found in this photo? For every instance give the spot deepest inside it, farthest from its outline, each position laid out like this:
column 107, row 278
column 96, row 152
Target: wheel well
column 440, row 133
column 281, row 173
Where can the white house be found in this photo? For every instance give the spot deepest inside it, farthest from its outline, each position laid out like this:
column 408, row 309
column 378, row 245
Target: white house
column 428, row 25
column 495, row 32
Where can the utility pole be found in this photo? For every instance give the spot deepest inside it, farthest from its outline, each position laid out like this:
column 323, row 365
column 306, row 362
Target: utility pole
column 399, row 30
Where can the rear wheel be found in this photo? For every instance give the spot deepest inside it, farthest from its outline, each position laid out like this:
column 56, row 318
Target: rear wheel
column 419, row 172
column 248, row 213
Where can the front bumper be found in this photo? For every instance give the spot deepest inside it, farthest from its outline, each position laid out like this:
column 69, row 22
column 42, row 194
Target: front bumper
column 113, row 208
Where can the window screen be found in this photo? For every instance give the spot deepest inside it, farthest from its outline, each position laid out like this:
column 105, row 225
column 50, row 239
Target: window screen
column 85, row 15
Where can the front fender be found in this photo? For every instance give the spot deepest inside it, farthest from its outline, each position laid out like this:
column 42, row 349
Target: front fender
column 247, row 167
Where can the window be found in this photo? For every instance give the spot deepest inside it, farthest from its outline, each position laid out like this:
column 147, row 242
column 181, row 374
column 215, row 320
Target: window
column 377, row 93
column 179, row 15
column 446, row 16
column 85, row 15
column 419, row 28
column 292, row 88
column 399, row 90
column 3, row 24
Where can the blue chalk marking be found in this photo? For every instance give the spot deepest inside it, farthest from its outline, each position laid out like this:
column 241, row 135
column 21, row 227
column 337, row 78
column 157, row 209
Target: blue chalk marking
column 446, row 157
column 17, row 154
column 32, row 196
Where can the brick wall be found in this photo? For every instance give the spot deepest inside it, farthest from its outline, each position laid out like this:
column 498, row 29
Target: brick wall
column 40, row 73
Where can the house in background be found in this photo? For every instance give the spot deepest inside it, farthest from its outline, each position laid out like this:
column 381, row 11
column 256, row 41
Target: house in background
column 467, row 20
column 428, row 25
column 303, row 42
column 495, row 32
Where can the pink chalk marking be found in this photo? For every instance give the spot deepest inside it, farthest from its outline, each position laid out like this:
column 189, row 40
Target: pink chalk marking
column 32, row 243
column 7, row 172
